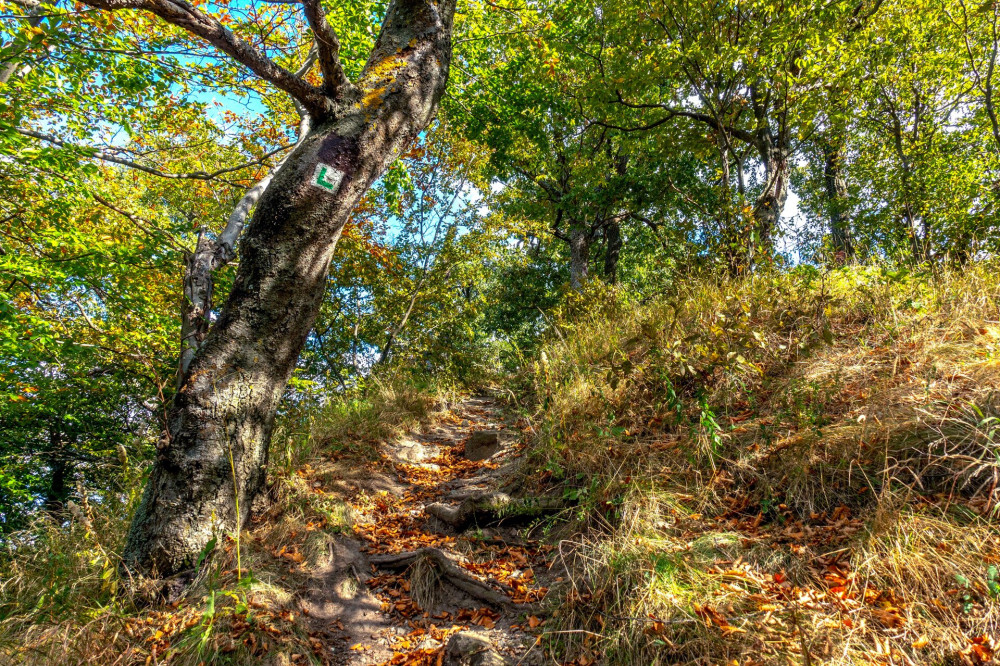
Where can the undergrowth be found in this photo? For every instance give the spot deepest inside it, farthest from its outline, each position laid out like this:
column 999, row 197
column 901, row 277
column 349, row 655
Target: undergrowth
column 792, row 468
column 62, row 600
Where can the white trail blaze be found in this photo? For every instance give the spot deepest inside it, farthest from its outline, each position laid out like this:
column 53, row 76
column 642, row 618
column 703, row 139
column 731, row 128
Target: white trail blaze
column 327, row 178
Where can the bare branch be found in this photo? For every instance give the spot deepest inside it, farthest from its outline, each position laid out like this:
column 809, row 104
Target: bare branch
column 334, row 79
column 740, row 134
column 307, row 63
column 183, row 15
column 110, row 157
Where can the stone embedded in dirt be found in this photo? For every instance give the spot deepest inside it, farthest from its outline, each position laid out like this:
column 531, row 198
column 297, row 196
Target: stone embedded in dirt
column 482, row 444
column 467, row 648
column 414, row 452
column 429, row 644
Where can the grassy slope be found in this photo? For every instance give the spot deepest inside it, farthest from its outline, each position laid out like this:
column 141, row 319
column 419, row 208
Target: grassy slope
column 792, row 469
column 788, row 466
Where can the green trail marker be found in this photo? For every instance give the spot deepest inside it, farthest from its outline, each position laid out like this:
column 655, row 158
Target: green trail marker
column 326, row 177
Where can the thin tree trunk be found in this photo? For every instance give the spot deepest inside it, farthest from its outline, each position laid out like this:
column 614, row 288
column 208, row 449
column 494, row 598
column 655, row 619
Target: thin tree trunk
column 579, row 255
column 836, row 199
column 918, row 241
column 396, row 330
column 213, row 462
column 612, row 250
column 355, row 329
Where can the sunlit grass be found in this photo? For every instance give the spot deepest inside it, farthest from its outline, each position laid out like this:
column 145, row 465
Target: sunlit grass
column 798, row 436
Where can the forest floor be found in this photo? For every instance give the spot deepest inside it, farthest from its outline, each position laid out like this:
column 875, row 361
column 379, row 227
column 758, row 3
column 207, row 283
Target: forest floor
column 362, row 606
column 810, row 476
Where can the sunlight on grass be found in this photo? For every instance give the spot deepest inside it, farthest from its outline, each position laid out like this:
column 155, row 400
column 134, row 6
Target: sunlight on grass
column 823, row 462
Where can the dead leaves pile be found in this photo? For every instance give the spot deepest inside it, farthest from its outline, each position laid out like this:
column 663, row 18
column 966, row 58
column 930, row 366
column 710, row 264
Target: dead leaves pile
column 395, row 524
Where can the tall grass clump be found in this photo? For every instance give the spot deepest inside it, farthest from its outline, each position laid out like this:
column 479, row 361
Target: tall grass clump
column 379, row 408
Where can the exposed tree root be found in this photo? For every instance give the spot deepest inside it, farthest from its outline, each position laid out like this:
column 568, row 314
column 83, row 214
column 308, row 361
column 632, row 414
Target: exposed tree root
column 447, row 571
column 491, row 508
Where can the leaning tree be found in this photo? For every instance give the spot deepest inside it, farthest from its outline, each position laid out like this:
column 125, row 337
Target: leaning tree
column 212, row 458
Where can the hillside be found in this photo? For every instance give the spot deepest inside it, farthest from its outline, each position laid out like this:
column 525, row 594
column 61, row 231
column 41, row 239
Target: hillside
column 499, row 332
column 796, row 468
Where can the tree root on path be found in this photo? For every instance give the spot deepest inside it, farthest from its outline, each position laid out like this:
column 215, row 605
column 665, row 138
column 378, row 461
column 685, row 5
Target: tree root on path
column 447, row 571
column 491, row 508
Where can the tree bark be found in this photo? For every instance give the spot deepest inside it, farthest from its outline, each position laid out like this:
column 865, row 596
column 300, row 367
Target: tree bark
column 60, row 469
column 836, row 199
column 33, row 15
column 210, row 254
column 213, row 460
column 579, row 255
column 612, row 250
column 196, row 304
column 771, row 201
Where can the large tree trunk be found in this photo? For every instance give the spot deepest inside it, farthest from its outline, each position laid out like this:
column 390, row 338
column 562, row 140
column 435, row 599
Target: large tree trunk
column 579, row 255
column 213, row 460
column 836, row 199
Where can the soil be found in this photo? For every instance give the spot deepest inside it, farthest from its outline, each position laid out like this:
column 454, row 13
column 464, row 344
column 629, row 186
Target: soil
column 404, row 614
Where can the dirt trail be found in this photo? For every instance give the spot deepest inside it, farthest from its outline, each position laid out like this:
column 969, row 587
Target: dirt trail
column 372, row 604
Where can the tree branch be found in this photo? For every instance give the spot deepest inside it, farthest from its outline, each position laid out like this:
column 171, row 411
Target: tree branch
column 740, row 134
column 225, row 249
column 183, row 15
column 110, row 157
column 34, row 18
column 335, row 81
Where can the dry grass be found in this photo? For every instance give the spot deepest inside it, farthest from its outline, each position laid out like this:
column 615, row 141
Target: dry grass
column 795, row 469
column 799, row 468
column 60, row 597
